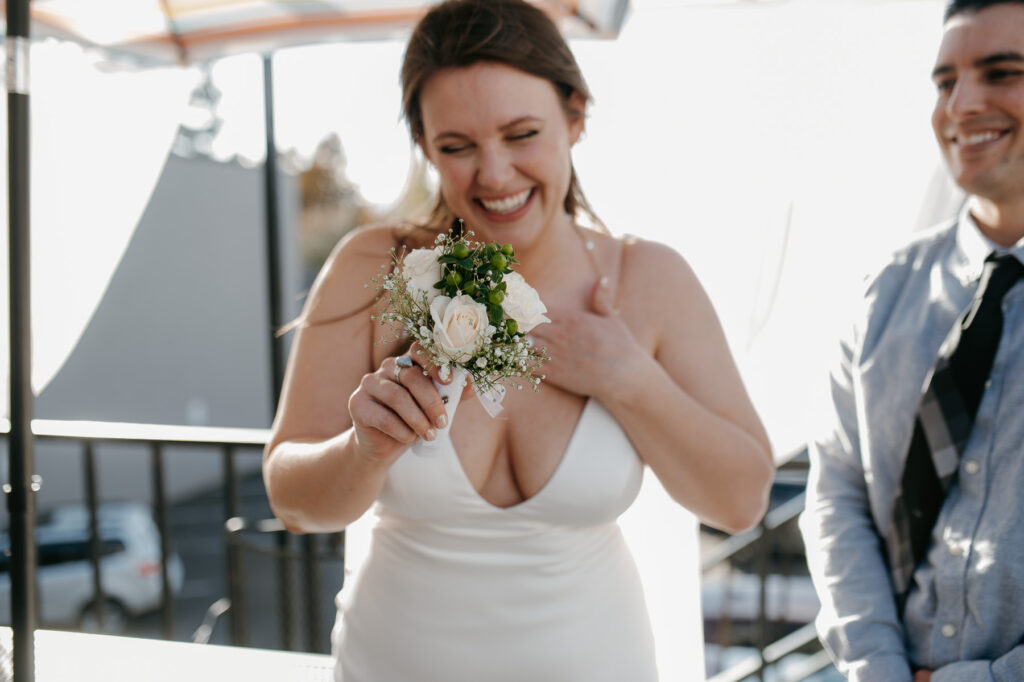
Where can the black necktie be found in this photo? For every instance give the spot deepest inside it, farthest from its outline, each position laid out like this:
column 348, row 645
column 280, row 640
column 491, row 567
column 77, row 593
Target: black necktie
column 944, row 420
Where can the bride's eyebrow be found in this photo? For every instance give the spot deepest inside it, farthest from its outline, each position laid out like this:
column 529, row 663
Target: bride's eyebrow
column 441, row 136
column 521, row 120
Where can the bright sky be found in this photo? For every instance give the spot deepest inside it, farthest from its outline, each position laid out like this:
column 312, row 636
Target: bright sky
column 713, row 127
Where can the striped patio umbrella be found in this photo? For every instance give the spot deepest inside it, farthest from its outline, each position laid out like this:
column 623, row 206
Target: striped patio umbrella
column 189, row 31
column 160, row 32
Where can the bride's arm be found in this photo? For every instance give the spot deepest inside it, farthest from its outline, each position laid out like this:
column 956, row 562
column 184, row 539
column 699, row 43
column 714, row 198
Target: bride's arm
column 677, row 393
column 322, row 470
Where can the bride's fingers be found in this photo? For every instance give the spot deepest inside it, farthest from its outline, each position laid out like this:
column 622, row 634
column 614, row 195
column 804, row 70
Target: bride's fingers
column 388, row 423
column 422, row 358
column 387, row 388
column 374, row 419
column 425, row 394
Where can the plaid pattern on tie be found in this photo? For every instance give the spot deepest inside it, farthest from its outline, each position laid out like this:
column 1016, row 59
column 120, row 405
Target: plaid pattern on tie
column 944, row 421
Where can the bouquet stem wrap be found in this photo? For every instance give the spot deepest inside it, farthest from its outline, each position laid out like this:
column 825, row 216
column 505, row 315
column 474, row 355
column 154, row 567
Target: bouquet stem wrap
column 451, row 393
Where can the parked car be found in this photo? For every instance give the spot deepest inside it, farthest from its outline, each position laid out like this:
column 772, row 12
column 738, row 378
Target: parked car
column 129, row 566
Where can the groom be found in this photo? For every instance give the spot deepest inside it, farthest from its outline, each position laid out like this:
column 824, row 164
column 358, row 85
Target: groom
column 915, row 509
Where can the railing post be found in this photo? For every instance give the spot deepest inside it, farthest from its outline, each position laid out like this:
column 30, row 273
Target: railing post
column 762, row 611
column 284, row 584
column 312, row 593
column 236, row 583
column 230, row 484
column 95, row 541
column 160, row 508
column 238, row 614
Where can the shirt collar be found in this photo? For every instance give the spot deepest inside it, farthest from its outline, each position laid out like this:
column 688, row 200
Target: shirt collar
column 973, row 247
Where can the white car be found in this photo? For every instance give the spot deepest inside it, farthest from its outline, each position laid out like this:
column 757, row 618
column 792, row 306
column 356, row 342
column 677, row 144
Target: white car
column 129, row 565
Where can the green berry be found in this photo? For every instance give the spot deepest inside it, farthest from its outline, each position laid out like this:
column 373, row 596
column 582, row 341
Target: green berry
column 496, row 296
column 511, row 326
column 460, row 250
column 454, row 279
column 507, row 249
column 499, row 261
column 469, row 289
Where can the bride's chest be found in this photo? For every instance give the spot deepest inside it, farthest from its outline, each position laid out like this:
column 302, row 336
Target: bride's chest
column 511, row 457
column 594, row 479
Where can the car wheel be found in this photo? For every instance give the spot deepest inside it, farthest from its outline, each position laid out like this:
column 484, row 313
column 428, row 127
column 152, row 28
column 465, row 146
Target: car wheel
column 115, row 618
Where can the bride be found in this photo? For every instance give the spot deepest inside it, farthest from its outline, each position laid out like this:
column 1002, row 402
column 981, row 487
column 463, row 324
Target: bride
column 499, row 557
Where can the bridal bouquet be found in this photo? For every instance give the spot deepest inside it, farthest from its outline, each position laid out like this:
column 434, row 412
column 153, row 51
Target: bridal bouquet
column 470, row 313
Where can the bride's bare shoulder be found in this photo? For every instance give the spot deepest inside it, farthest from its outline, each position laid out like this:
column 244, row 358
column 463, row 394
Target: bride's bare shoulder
column 649, row 266
column 345, row 282
column 644, row 262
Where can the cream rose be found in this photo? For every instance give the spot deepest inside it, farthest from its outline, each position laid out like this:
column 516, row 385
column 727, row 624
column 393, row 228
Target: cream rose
column 522, row 303
column 421, row 271
column 460, row 326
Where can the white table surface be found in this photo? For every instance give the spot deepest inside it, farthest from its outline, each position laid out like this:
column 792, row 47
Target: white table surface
column 76, row 657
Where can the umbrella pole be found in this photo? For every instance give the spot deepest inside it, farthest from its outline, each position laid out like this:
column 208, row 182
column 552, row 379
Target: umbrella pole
column 21, row 496
column 272, row 236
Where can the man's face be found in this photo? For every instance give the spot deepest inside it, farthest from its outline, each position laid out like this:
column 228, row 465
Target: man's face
column 979, row 113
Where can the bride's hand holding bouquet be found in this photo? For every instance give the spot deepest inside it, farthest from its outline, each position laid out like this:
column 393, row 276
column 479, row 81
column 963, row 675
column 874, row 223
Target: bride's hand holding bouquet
column 468, row 314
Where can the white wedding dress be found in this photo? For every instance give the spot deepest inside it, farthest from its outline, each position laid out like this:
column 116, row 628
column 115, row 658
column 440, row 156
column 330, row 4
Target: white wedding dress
column 455, row 589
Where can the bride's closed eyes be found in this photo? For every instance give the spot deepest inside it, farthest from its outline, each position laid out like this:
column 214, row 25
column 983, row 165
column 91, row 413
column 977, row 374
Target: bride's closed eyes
column 460, row 144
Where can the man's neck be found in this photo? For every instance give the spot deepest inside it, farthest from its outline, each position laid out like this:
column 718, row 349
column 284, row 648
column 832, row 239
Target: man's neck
column 1003, row 223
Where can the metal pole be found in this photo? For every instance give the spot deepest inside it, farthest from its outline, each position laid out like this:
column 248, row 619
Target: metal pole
column 272, row 235
column 95, row 541
column 21, row 500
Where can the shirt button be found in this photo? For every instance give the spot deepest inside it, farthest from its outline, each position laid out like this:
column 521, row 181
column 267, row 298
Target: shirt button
column 948, row 630
column 972, row 467
column 956, row 550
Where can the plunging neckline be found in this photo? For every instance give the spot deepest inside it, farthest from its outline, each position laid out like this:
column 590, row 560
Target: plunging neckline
column 547, row 484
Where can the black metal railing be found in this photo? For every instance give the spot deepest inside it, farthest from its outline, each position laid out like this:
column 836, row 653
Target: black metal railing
column 771, row 547
column 297, row 599
column 298, row 559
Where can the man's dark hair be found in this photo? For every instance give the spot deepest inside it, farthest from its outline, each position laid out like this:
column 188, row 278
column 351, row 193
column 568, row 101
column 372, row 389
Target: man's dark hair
column 954, row 7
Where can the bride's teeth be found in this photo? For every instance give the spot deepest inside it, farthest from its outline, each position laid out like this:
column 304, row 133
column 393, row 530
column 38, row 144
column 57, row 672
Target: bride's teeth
column 978, row 138
column 508, row 204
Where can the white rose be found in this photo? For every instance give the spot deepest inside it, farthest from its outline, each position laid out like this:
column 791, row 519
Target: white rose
column 460, row 325
column 421, row 271
column 522, row 303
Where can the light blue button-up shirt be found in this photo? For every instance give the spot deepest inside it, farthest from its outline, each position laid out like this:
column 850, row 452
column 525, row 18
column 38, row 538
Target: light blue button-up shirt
column 965, row 612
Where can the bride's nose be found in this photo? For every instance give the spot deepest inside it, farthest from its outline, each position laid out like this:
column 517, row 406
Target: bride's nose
column 494, row 167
